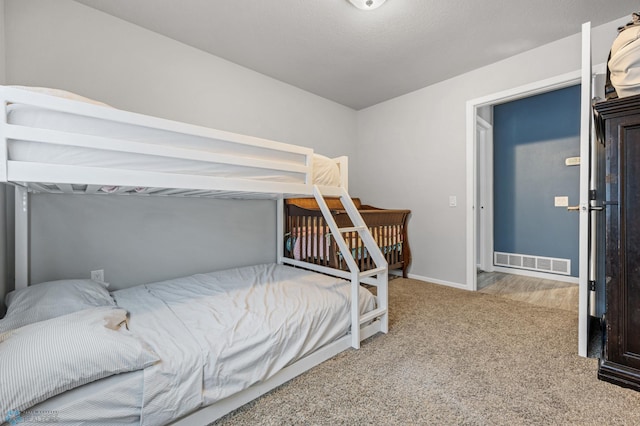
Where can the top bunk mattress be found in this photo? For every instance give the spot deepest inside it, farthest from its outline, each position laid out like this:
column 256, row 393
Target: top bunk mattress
column 325, row 170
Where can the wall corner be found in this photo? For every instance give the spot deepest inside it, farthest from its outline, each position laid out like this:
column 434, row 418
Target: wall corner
column 3, row 50
column 3, row 221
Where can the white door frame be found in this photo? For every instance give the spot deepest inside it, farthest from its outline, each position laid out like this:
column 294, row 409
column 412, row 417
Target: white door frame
column 484, row 135
column 543, row 86
column 586, row 95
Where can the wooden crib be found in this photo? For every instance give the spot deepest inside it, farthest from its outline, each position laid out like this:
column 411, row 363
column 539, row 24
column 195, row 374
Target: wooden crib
column 307, row 236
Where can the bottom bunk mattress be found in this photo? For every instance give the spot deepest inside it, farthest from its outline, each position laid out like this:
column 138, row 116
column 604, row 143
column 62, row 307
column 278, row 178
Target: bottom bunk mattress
column 114, row 400
column 217, row 334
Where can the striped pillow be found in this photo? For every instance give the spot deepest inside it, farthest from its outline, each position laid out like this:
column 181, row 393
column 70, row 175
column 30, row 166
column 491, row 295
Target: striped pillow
column 46, row 358
column 52, row 299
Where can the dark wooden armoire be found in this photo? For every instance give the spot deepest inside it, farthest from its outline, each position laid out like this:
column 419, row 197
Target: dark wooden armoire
column 618, row 127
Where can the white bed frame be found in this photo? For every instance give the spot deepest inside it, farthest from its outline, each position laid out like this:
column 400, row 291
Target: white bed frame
column 30, row 177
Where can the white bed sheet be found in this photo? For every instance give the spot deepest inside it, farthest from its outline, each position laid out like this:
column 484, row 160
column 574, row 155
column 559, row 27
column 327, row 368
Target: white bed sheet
column 113, row 400
column 325, row 171
column 219, row 333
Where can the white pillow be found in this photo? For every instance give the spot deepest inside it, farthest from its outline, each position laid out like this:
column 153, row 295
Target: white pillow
column 59, row 93
column 52, row 299
column 624, row 64
column 325, row 171
column 46, row 358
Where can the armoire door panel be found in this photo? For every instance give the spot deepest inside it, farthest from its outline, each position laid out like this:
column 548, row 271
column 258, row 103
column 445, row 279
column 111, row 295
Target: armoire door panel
column 630, row 241
column 619, row 129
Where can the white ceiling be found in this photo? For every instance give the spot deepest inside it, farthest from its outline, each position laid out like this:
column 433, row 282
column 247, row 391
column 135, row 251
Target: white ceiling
column 360, row 58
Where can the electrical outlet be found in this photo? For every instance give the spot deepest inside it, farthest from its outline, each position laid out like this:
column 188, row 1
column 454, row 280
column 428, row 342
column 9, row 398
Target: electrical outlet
column 98, row 275
column 453, row 201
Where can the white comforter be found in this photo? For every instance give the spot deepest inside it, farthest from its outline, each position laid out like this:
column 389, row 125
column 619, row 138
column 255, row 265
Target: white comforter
column 219, row 333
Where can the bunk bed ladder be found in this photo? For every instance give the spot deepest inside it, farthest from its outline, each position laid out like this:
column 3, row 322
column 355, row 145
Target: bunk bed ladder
column 380, row 271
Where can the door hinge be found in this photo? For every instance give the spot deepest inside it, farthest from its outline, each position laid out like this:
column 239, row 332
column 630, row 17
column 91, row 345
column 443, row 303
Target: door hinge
column 592, row 194
column 592, row 286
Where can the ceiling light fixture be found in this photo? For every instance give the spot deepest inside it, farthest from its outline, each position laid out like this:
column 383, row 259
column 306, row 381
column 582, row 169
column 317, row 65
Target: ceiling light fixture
column 367, row 4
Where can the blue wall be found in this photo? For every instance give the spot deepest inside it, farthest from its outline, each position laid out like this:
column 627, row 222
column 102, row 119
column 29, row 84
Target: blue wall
column 532, row 139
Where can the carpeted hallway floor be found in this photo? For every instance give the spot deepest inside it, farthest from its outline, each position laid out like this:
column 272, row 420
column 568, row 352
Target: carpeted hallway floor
column 453, row 357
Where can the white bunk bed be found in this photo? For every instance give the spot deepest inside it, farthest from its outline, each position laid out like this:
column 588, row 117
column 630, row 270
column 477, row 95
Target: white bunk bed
column 57, row 145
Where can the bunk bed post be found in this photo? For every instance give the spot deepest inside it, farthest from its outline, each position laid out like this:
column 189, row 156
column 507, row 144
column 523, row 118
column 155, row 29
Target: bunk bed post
column 382, row 293
column 355, row 309
column 21, row 237
column 280, row 230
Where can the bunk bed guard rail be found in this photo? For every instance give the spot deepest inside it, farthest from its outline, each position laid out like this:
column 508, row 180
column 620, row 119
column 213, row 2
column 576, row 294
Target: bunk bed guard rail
column 242, row 165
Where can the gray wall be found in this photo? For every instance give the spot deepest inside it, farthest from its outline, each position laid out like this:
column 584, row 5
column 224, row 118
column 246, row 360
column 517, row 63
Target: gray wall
column 3, row 248
column 2, row 44
column 67, row 45
column 532, row 137
column 70, row 46
column 412, row 149
column 145, row 239
column 3, row 219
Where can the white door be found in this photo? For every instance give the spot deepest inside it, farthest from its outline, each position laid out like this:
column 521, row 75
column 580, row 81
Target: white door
column 484, row 249
column 585, row 161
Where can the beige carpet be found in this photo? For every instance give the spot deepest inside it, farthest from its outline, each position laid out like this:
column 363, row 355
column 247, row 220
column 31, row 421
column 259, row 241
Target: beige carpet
column 453, row 357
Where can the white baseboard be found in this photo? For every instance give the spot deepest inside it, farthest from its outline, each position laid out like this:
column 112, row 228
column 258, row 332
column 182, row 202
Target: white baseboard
column 432, row 280
column 514, row 271
column 536, row 274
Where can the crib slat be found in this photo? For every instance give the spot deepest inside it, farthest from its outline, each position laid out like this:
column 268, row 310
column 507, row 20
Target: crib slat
column 289, row 231
column 321, row 241
column 390, row 236
column 390, row 241
column 299, row 234
column 375, row 231
column 315, row 241
column 394, row 242
column 309, row 234
column 369, row 262
column 305, row 241
column 360, row 252
column 309, row 238
column 325, row 243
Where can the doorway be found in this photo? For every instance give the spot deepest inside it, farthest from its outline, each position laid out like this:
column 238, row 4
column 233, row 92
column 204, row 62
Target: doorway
column 535, row 178
column 480, row 111
column 527, row 241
